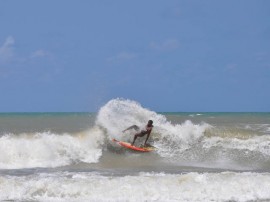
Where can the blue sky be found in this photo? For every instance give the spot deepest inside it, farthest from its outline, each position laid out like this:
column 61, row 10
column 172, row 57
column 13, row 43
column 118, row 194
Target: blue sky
column 167, row 55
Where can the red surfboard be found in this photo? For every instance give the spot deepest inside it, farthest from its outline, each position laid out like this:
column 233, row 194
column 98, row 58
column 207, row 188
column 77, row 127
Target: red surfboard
column 129, row 146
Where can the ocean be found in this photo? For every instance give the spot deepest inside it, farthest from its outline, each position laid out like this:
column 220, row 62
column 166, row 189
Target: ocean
column 70, row 156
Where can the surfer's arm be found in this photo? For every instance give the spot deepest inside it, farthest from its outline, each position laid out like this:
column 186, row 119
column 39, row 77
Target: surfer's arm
column 131, row 127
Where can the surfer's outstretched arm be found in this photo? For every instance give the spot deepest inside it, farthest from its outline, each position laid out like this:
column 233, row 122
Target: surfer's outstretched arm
column 132, row 127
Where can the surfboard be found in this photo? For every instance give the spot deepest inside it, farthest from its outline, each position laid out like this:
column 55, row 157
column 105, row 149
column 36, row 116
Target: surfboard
column 129, row 146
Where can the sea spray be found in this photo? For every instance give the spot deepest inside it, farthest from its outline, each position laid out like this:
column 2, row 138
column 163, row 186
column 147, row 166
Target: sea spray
column 170, row 139
column 118, row 114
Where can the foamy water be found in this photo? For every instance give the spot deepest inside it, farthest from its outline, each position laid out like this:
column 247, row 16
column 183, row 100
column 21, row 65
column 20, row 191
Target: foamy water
column 225, row 186
column 199, row 156
column 49, row 150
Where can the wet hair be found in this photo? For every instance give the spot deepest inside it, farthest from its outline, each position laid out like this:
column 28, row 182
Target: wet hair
column 150, row 121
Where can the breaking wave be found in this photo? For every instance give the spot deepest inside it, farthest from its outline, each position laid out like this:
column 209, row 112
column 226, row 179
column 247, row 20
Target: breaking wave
column 47, row 149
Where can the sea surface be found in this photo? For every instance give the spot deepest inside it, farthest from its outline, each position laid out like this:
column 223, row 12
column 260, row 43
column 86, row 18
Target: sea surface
column 70, row 156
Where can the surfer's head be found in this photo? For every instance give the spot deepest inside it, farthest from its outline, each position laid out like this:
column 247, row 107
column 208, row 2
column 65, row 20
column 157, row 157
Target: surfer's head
column 150, row 123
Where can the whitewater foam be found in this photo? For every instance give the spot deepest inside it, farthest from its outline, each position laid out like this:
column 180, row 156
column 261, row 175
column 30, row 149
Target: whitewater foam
column 226, row 186
column 259, row 144
column 47, row 149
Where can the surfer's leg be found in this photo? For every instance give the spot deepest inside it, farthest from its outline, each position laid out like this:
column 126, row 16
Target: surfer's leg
column 141, row 134
column 135, row 137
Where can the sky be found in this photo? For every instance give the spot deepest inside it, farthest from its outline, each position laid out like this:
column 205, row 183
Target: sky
column 169, row 56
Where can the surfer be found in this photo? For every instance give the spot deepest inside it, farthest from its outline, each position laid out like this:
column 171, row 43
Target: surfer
column 146, row 131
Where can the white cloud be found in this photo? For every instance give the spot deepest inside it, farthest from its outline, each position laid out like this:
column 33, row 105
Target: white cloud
column 168, row 45
column 123, row 56
column 6, row 50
